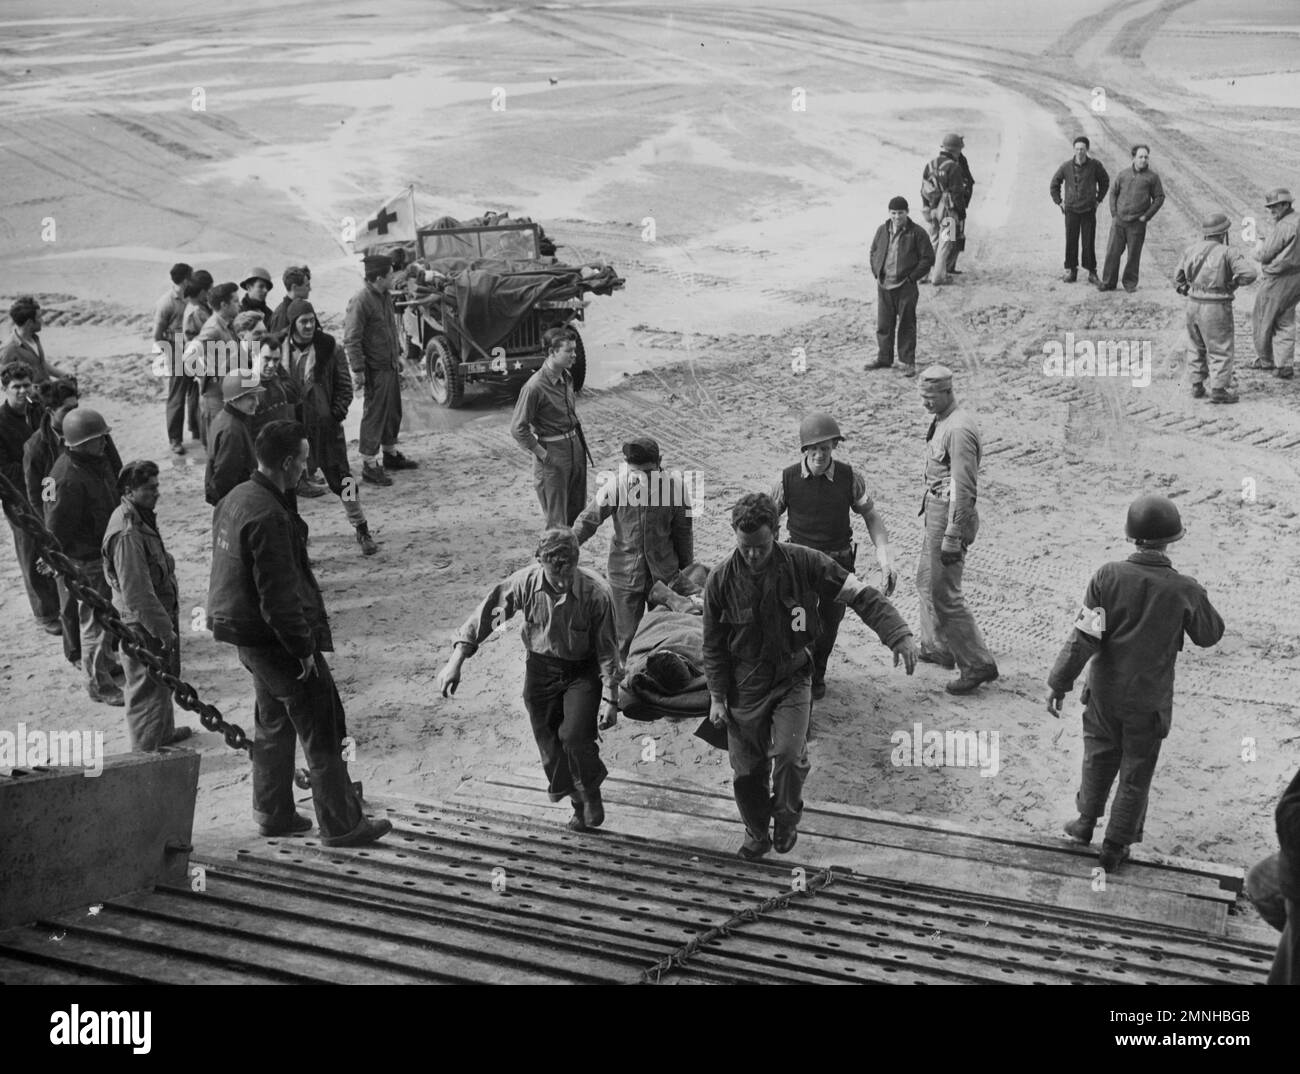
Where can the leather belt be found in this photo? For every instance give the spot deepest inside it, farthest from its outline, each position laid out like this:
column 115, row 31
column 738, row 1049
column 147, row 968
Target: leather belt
column 563, row 436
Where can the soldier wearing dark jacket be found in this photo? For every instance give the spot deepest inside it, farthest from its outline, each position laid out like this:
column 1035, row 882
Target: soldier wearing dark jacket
column 1078, row 187
column 231, row 457
column 82, row 499
column 1134, row 616
column 1286, row 964
column 39, row 453
column 264, row 599
column 19, row 417
column 653, row 539
column 315, row 366
column 901, row 255
column 762, row 615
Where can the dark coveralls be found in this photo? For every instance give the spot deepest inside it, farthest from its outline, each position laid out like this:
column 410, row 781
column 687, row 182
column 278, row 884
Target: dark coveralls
column 39, row 455
column 571, row 648
column 651, row 542
column 1286, row 963
column 1135, row 613
column 15, row 430
column 820, row 507
column 758, row 630
column 264, row 599
column 372, row 346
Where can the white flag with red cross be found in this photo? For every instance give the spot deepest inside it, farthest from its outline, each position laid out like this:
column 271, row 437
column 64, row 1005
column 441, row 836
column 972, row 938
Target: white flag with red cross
column 393, row 222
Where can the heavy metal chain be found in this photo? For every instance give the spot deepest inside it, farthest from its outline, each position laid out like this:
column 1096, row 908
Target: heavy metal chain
column 135, row 645
column 654, row 974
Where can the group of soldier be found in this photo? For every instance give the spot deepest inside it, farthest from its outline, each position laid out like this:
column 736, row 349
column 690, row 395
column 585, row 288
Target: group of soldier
column 1209, row 272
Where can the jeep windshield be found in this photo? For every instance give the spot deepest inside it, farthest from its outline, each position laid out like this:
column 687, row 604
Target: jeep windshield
column 473, row 244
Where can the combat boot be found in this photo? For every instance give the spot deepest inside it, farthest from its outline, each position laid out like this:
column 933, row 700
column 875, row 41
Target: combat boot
column 367, row 543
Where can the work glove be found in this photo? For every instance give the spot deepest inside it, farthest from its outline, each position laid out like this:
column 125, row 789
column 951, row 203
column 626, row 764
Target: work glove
column 1183, row 288
column 908, row 652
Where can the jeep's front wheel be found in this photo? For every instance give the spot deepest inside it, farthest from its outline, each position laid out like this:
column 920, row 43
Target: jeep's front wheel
column 446, row 384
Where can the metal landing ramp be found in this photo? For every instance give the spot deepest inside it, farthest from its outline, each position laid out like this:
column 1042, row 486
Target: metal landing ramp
column 492, row 888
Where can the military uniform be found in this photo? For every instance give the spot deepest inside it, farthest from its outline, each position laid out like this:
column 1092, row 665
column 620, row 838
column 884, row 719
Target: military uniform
column 758, row 634
column 1135, row 613
column 1209, row 273
column 1275, row 302
column 547, row 413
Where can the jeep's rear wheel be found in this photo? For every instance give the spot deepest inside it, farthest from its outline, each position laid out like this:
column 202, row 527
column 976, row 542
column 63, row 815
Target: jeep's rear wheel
column 446, row 384
column 579, row 370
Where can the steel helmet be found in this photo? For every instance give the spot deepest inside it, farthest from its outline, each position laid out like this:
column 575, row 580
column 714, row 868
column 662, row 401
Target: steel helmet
column 818, row 427
column 257, row 273
column 1278, row 195
column 953, row 141
column 82, row 425
column 1153, row 520
column 238, row 383
column 1215, row 224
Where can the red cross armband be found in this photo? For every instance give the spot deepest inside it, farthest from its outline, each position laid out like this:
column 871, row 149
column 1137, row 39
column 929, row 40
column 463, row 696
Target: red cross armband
column 1091, row 621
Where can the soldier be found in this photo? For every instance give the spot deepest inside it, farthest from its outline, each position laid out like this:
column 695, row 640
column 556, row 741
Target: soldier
column 546, row 425
column 25, row 343
column 374, row 352
column 653, row 540
column 82, row 500
column 257, row 285
column 264, row 599
column 297, row 284
column 315, row 366
column 968, row 192
column 1209, row 275
column 19, row 420
column 232, row 458
column 1135, row 197
column 901, row 255
column 1134, row 615
column 168, row 326
column 949, row 636
column 943, row 205
column 44, row 446
column 1275, row 301
column 569, row 635
column 142, row 576
column 762, row 615
column 821, row 494
column 1078, row 187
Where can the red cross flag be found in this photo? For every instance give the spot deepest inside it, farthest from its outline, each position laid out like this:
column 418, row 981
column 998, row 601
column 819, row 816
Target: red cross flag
column 393, row 222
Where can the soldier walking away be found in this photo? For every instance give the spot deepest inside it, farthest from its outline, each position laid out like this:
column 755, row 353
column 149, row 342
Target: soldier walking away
column 1078, row 187
column 142, row 576
column 1209, row 274
column 901, row 255
column 545, row 424
column 943, row 206
column 569, row 635
column 232, row 458
column 1134, row 615
column 762, row 617
column 1275, row 301
column 82, row 499
column 19, row 420
column 1135, row 197
column 653, row 539
column 315, row 366
column 25, row 343
column 949, row 636
column 44, row 446
column 257, row 285
column 168, row 330
column 374, row 352
column 264, row 599
column 821, row 494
